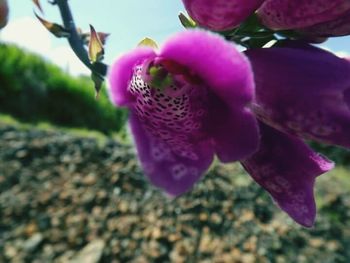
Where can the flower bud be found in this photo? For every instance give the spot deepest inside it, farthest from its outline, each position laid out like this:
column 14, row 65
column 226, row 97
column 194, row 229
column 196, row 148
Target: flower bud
column 221, row 15
column 311, row 18
column 4, row 11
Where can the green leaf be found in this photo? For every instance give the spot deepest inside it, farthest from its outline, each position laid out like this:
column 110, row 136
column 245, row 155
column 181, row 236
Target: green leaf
column 98, row 81
column 148, row 42
column 186, row 21
column 289, row 34
column 38, row 5
column 56, row 29
column 259, row 42
column 251, row 24
column 96, row 50
column 86, row 36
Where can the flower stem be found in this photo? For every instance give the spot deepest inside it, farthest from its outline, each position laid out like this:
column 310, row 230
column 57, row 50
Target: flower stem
column 75, row 41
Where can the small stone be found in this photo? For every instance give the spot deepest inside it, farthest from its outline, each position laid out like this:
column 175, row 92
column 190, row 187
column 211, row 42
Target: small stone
column 203, row 217
column 90, row 179
column 248, row 258
column 21, row 154
column 33, row 243
column 251, row 244
column 31, row 229
column 156, row 233
column 215, row 218
column 316, row 242
column 66, row 257
column 333, row 245
column 123, row 206
column 10, row 251
column 246, row 216
column 91, row 253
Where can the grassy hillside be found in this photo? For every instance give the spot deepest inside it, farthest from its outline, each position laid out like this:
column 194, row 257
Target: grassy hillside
column 35, row 90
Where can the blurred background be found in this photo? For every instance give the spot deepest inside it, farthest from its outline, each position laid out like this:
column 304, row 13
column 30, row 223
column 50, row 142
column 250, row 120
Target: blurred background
column 71, row 189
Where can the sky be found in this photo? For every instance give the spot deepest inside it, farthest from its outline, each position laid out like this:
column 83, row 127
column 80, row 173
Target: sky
column 128, row 22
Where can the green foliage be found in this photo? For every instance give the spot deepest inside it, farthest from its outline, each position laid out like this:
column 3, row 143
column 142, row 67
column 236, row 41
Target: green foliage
column 337, row 154
column 34, row 90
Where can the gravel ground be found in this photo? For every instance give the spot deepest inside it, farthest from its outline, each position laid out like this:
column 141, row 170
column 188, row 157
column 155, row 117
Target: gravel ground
column 68, row 198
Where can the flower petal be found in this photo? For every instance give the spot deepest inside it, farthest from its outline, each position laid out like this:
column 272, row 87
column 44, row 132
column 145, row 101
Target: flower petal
column 289, row 14
column 221, row 15
column 234, row 131
column 225, row 70
column 286, row 167
column 229, row 77
column 121, row 72
column 302, row 90
column 166, row 169
column 347, row 97
column 337, row 27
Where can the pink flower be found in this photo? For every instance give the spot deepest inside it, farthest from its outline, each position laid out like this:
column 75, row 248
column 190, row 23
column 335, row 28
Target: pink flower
column 192, row 100
column 187, row 102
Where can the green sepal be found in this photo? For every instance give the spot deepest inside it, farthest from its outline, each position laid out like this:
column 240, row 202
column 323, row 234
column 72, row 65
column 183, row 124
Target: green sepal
column 186, row 21
column 98, row 81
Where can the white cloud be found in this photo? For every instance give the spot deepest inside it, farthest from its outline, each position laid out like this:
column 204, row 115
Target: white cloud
column 64, row 57
column 28, row 33
column 343, row 54
column 339, row 53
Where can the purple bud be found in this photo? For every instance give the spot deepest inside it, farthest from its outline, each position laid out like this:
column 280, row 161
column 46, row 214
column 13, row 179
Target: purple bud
column 291, row 14
column 337, row 27
column 4, row 12
column 221, row 15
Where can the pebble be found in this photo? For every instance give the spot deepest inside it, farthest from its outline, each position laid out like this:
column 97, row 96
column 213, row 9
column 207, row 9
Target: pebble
column 33, row 243
column 91, row 253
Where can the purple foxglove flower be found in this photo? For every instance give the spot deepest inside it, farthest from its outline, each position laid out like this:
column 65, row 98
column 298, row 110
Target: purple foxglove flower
column 303, row 90
column 187, row 102
column 291, row 14
column 286, row 167
column 221, row 15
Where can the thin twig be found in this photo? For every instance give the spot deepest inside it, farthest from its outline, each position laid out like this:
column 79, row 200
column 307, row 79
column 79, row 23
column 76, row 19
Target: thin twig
column 75, row 41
